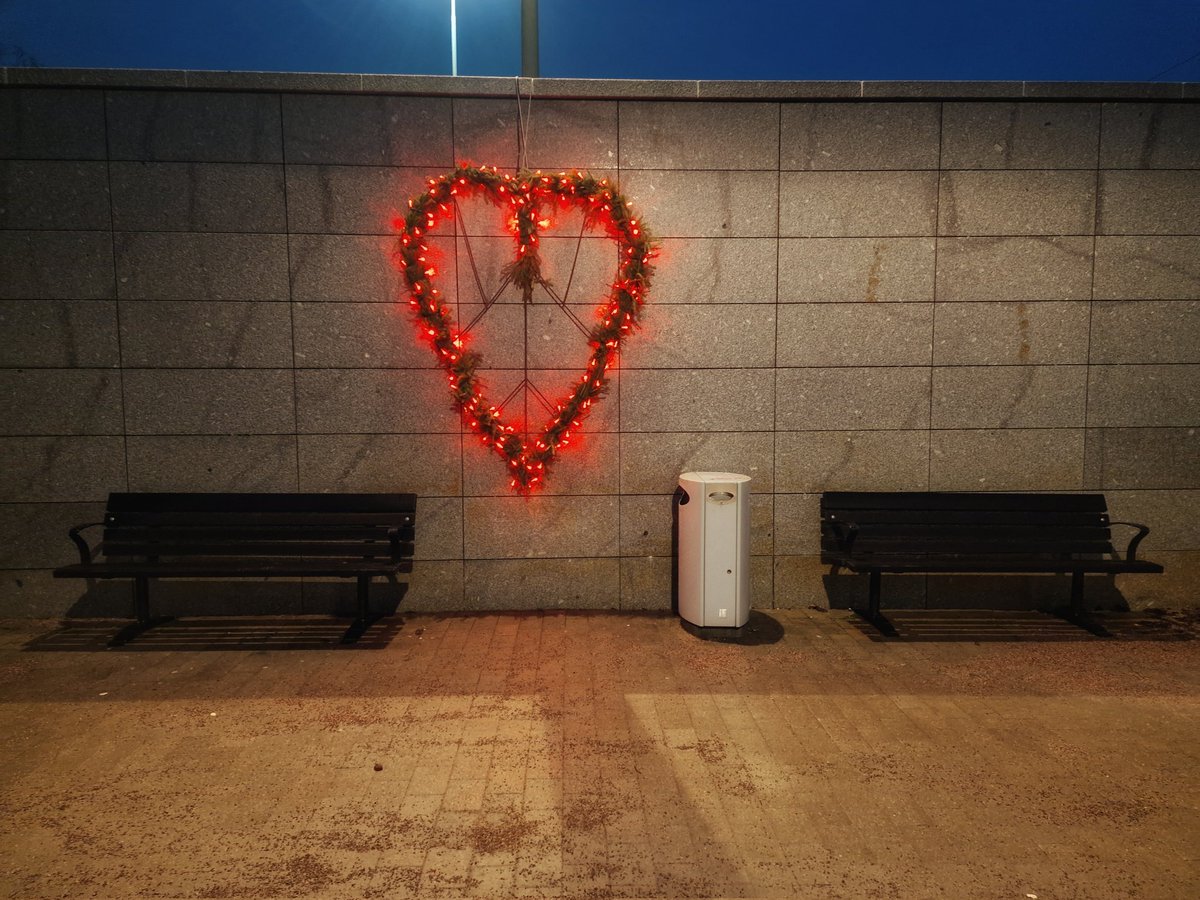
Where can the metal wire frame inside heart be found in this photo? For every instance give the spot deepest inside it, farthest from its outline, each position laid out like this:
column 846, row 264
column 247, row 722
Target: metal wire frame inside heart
column 523, row 197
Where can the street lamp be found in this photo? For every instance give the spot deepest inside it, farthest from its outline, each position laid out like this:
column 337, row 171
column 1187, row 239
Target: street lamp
column 529, row 38
column 453, row 39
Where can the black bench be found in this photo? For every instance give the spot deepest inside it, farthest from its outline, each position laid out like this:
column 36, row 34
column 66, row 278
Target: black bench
column 876, row 532
column 248, row 536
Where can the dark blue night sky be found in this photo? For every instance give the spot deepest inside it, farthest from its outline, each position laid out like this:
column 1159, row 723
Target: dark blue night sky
column 1070, row 40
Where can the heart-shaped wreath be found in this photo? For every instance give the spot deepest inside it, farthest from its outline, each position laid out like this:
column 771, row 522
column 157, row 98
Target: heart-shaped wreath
column 523, row 196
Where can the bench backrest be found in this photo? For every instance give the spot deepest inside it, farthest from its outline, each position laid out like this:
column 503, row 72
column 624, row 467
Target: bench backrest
column 967, row 523
column 301, row 525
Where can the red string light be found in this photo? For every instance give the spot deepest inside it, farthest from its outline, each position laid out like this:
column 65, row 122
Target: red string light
column 617, row 316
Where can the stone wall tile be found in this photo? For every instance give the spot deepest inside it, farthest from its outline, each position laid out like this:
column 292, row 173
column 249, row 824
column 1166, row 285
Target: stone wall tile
column 209, row 401
column 486, row 131
column 37, row 194
column 1169, row 590
column 373, row 401
column 855, row 334
column 1007, row 459
column 358, row 335
column 668, row 135
column 351, row 199
column 212, row 463
column 429, row 465
column 218, row 335
column 803, row 582
column 1017, row 203
column 565, row 135
column 333, row 129
column 31, row 265
column 697, row 400
column 37, row 594
column 354, row 268
column 1149, row 203
column 1009, row 396
column 178, row 196
column 540, row 526
column 652, row 463
column 870, row 270
column 194, row 126
column 808, row 462
column 646, row 525
column 836, row 399
column 34, row 535
column 1133, row 396
column 1150, row 136
column 60, row 401
column 159, row 266
column 857, row 204
column 989, row 334
column 587, row 466
column 69, row 469
column 646, row 583
column 704, row 204
column 1014, row 268
column 58, row 333
column 1142, row 459
column 714, row 270
column 512, row 584
column 45, row 123
column 710, row 335
column 1145, row 331
column 1170, row 515
column 797, row 524
column 860, row 136
column 1147, row 268
column 1020, row 135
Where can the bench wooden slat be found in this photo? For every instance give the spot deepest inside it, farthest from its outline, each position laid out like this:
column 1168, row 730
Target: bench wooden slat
column 865, row 516
column 935, row 500
column 236, row 503
column 259, row 547
column 206, row 517
column 224, row 567
column 257, row 532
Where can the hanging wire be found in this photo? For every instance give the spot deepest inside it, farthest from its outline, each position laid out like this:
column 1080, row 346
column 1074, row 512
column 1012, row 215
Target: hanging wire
column 523, row 120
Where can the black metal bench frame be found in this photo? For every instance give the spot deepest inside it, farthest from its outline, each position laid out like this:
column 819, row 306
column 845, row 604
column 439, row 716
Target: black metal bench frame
column 876, row 532
column 227, row 535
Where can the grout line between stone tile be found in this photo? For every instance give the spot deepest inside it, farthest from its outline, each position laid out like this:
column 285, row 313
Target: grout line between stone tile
column 112, row 242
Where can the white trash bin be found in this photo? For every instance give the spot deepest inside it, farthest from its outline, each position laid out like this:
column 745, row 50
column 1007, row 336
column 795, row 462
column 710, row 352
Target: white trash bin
column 714, row 549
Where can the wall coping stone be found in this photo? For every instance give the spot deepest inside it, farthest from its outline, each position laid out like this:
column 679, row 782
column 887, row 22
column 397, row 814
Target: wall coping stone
column 595, row 88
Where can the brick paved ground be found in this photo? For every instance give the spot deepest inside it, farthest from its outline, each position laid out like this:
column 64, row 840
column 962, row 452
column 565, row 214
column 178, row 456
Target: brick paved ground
column 601, row 755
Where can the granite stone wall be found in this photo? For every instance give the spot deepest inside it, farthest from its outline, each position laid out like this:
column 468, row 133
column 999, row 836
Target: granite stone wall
column 923, row 292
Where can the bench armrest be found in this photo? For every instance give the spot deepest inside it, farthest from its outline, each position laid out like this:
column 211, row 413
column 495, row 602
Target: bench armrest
column 85, row 552
column 1131, row 551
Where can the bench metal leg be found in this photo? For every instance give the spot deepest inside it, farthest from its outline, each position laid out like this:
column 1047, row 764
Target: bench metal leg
column 1077, row 593
column 141, row 599
column 873, row 595
column 364, row 597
